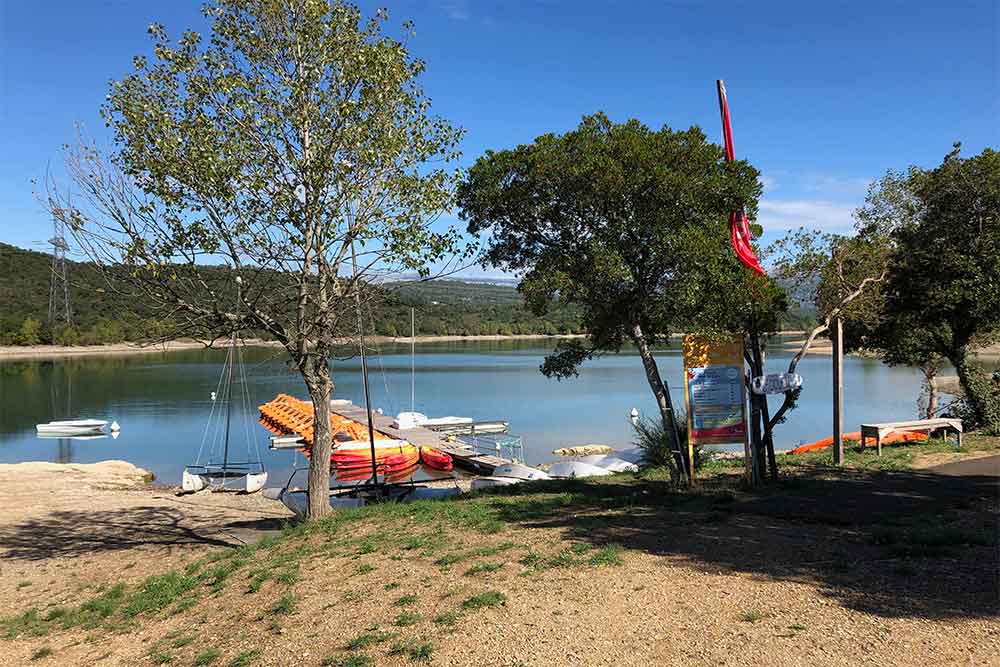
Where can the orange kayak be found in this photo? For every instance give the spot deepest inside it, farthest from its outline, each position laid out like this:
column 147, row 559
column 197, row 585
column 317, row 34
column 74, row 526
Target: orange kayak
column 435, row 458
column 903, row 436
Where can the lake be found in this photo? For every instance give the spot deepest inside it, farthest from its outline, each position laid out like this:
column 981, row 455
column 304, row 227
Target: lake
column 163, row 400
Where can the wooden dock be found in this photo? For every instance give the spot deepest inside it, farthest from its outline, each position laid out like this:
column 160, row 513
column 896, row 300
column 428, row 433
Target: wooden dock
column 465, row 457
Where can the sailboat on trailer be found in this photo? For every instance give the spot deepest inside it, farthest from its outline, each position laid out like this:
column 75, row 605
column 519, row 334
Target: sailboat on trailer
column 247, row 476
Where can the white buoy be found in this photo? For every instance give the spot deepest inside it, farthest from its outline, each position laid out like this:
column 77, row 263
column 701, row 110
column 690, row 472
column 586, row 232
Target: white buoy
column 115, row 427
column 633, row 416
column 213, row 395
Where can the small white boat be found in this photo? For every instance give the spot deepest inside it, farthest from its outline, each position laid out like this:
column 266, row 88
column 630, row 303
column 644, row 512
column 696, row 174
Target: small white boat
column 577, row 469
column 408, row 420
column 72, row 427
column 608, row 462
column 518, row 471
column 490, row 482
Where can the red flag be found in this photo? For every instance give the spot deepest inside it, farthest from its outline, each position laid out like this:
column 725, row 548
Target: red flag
column 739, row 232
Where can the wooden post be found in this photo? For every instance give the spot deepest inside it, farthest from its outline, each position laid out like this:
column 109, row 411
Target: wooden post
column 838, row 392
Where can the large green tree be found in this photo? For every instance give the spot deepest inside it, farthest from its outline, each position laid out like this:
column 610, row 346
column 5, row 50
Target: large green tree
column 942, row 297
column 615, row 218
column 293, row 135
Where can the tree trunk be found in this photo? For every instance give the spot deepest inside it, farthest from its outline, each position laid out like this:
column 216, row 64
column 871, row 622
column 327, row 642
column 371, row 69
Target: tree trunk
column 320, row 389
column 980, row 392
column 663, row 400
column 762, row 430
column 930, row 371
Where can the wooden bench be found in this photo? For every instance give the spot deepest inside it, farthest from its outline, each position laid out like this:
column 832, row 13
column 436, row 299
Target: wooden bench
column 879, row 431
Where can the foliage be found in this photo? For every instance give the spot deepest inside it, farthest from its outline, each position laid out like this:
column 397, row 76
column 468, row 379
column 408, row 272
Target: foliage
column 942, row 297
column 652, row 439
column 628, row 223
column 294, row 136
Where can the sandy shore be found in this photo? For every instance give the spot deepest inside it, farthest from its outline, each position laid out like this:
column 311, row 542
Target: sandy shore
column 12, row 352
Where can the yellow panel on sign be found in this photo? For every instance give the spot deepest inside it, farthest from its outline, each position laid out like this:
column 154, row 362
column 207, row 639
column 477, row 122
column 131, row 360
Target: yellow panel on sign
column 714, row 391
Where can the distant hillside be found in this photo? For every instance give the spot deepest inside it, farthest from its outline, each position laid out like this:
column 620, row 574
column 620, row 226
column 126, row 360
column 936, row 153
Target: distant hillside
column 443, row 307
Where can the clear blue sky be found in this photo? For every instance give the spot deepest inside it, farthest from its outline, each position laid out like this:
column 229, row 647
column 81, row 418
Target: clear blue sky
column 824, row 96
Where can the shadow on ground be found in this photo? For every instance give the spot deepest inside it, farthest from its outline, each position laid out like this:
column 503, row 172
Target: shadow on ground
column 83, row 532
column 902, row 544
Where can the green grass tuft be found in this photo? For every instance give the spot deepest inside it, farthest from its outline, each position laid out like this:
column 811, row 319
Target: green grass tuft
column 606, row 556
column 482, row 567
column 484, row 600
column 752, row 616
column 405, row 600
column 448, row 618
column 43, row 652
column 158, row 591
column 207, row 657
column 285, row 605
column 406, row 618
column 367, row 639
column 416, row 649
column 246, row 658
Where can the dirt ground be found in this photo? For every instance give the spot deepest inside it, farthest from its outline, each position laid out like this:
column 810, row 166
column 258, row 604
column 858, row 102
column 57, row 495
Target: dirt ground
column 810, row 574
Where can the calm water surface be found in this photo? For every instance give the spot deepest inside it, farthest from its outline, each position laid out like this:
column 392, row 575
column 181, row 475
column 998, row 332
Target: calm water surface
column 162, row 401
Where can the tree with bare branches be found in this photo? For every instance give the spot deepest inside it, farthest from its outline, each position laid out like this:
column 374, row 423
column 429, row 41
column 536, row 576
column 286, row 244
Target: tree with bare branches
column 293, row 137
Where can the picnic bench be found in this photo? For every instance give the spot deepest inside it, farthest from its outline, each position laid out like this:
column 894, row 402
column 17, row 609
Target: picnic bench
column 879, row 431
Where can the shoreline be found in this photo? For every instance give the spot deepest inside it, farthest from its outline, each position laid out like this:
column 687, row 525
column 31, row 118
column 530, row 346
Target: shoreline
column 15, row 352
column 29, row 352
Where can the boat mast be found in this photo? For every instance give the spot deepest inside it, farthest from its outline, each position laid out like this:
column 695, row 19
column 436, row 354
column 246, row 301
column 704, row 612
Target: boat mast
column 413, row 350
column 229, row 391
column 364, row 364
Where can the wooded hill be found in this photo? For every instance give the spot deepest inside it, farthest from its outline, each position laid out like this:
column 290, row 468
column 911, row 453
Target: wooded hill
column 443, row 307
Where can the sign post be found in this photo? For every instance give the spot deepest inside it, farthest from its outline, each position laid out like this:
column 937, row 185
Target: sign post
column 838, row 392
column 714, row 393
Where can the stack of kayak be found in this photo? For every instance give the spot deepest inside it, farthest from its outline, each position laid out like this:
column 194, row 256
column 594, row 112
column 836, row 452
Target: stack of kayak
column 351, row 458
column 897, row 436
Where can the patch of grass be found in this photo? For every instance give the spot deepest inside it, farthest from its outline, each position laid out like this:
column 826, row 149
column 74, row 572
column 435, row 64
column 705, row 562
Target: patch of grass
column 416, row 649
column 479, row 568
column 285, row 605
column 184, row 604
column 158, row 591
column 406, row 618
column 364, row 568
column 752, row 616
column 43, row 652
column 606, row 556
column 181, row 640
column 405, row 600
column 23, row 584
column 207, row 657
column 161, row 657
column 391, row 586
column 246, row 658
column 798, row 627
column 484, row 600
column 448, row 618
column 367, row 639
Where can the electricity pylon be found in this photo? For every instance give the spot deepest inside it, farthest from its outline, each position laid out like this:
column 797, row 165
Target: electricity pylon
column 59, row 309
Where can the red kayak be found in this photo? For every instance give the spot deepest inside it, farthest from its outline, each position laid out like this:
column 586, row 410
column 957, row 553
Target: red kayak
column 435, row 458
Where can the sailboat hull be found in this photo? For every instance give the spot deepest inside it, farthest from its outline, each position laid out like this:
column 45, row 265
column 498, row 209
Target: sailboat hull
column 241, row 482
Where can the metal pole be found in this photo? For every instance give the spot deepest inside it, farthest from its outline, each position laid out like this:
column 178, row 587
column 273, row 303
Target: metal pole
column 364, row 365
column 838, row 392
column 413, row 368
column 229, row 391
